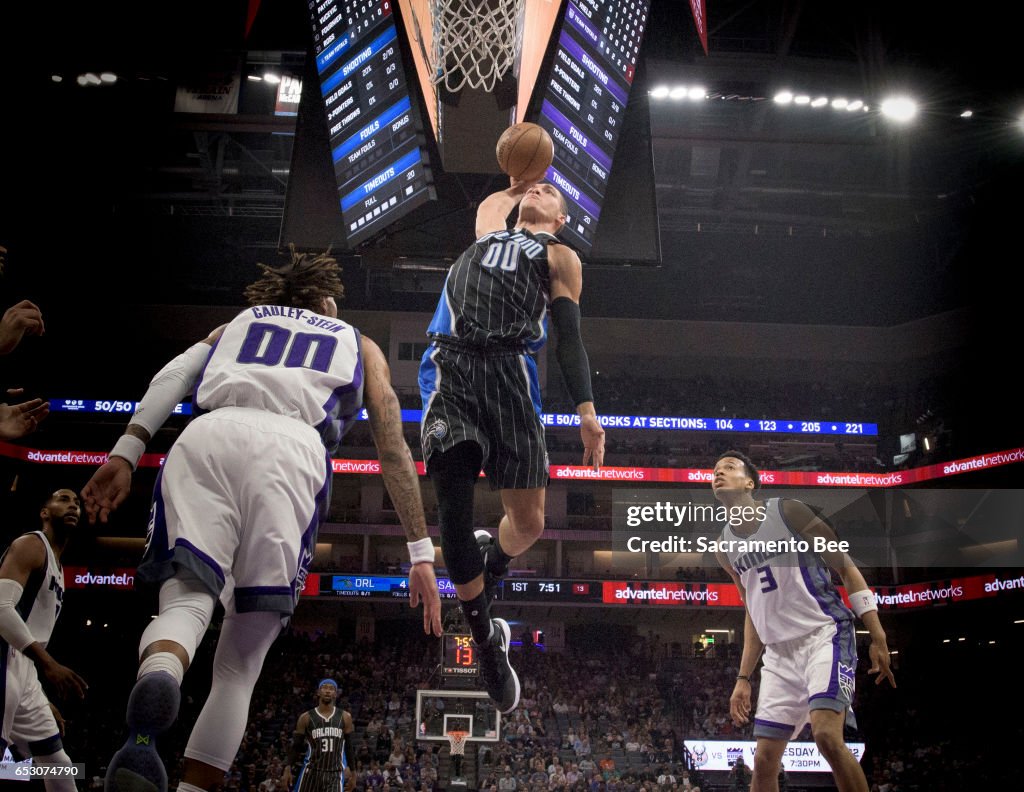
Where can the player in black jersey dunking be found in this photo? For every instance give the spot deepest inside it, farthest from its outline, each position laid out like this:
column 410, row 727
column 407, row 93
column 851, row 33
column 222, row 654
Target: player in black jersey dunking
column 322, row 733
column 481, row 399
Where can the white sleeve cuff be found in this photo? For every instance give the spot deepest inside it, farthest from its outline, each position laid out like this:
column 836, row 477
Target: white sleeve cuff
column 421, row 551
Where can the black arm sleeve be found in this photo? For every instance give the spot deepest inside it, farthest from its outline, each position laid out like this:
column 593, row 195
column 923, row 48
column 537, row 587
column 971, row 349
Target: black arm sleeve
column 572, row 357
column 297, row 747
column 349, row 758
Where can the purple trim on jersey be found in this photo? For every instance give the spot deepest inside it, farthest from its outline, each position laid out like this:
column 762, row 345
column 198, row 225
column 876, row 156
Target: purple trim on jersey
column 255, row 591
column 187, row 545
column 333, row 427
column 817, row 578
column 306, row 546
column 196, row 409
column 158, row 549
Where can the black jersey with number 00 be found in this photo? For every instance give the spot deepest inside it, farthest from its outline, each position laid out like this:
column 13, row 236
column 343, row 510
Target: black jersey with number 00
column 497, row 292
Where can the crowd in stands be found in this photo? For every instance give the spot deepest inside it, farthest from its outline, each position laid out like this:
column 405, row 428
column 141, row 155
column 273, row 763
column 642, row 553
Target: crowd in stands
column 599, row 717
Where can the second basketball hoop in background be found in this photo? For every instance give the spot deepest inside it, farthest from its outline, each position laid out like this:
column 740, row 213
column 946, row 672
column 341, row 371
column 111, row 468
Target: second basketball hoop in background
column 525, row 151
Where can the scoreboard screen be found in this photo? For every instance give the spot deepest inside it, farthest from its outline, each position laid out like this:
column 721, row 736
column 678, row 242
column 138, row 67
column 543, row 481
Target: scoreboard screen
column 459, row 656
column 584, row 103
column 376, row 135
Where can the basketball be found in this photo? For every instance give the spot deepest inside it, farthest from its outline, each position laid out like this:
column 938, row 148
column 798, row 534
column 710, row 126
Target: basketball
column 524, row 151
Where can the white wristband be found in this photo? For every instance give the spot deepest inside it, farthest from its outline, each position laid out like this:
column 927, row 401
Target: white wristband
column 863, row 601
column 130, row 448
column 421, row 551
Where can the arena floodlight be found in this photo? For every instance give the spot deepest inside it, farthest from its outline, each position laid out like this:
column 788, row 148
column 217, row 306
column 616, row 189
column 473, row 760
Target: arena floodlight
column 271, row 78
column 783, row 97
column 677, row 93
column 696, row 93
column 801, row 99
column 856, row 104
column 660, row 92
column 839, row 103
column 967, row 114
column 821, row 101
column 899, row 108
column 108, row 78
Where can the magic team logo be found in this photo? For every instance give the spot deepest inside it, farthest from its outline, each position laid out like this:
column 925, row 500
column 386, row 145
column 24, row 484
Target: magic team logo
column 846, row 679
column 700, row 755
column 438, row 429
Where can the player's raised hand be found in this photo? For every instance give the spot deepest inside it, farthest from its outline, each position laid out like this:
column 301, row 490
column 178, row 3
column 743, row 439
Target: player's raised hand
column 423, row 588
column 593, row 441
column 878, row 652
column 107, row 489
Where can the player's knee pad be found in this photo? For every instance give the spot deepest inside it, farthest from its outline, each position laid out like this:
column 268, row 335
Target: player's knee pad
column 186, row 606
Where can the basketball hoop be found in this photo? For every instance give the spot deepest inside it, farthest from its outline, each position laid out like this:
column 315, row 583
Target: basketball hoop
column 475, row 42
column 457, row 742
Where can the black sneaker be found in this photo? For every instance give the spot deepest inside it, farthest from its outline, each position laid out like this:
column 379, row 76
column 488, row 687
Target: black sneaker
column 493, row 569
column 498, row 675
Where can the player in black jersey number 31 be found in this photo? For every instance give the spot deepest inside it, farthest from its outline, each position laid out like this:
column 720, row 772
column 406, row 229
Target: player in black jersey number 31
column 322, row 734
column 481, row 399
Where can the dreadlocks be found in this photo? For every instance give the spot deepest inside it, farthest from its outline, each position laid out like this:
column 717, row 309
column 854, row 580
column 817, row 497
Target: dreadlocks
column 301, row 283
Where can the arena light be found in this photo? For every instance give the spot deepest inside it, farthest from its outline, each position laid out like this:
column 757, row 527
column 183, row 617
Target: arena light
column 271, row 78
column 839, row 103
column 56, row 78
column 801, row 99
column 899, row 108
column 856, row 104
column 255, row 78
column 783, row 97
column 696, row 93
column 967, row 114
column 679, row 92
column 660, row 92
column 961, row 639
column 821, row 101
column 945, row 640
column 108, row 78
column 718, row 631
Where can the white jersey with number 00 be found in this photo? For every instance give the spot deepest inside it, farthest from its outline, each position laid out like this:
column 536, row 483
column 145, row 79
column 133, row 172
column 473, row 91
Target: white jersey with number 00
column 288, row 361
column 789, row 594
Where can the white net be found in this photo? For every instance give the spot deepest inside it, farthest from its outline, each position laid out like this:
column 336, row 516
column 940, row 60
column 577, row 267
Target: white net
column 475, row 42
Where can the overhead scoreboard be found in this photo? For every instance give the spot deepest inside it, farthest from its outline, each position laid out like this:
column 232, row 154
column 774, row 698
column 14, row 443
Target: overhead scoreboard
column 376, row 134
column 584, row 103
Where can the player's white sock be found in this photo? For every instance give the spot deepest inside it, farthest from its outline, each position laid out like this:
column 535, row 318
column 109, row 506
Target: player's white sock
column 167, row 662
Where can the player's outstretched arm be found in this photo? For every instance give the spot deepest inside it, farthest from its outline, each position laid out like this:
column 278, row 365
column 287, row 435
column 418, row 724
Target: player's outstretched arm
column 806, row 523
column 111, row 483
column 402, row 482
column 493, row 211
column 566, row 274
column 26, row 555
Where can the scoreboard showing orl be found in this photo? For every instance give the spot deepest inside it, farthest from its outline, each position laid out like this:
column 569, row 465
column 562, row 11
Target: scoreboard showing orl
column 380, row 163
column 584, row 103
column 459, row 656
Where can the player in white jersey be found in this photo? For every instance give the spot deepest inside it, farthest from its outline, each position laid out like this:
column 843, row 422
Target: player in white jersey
column 239, row 500
column 31, row 590
column 797, row 618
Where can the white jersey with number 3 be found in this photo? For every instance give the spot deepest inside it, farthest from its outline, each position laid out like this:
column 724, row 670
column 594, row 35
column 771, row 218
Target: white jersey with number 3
column 288, row 361
column 788, row 594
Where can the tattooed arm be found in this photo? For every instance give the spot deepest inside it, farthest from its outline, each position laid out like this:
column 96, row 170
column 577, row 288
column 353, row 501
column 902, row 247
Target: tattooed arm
column 399, row 472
